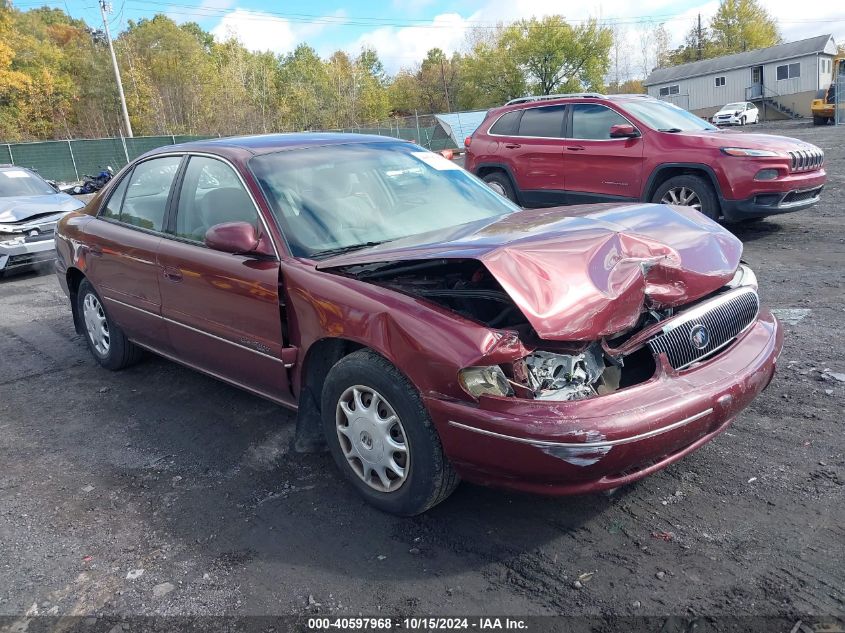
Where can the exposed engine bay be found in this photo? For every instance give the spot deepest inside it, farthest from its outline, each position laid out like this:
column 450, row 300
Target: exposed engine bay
column 559, row 370
column 555, row 370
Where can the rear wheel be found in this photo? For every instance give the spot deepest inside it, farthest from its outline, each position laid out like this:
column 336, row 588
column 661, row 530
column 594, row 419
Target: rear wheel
column 689, row 191
column 105, row 339
column 500, row 183
column 382, row 438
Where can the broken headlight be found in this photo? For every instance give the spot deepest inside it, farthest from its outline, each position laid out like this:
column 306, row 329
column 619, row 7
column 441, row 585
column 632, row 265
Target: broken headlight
column 485, row 381
column 744, row 276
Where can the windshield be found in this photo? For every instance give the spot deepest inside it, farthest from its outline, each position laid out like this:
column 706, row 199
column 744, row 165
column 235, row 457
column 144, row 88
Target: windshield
column 661, row 115
column 18, row 182
column 734, row 106
column 341, row 197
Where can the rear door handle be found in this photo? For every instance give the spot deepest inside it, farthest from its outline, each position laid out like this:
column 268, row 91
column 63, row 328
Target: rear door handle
column 513, row 145
column 576, row 148
column 172, row 274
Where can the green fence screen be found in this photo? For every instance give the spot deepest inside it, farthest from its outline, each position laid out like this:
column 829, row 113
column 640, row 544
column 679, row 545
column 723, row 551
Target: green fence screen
column 69, row 161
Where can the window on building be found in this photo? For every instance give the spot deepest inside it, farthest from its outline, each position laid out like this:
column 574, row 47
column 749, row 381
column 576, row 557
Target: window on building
column 720, row 81
column 670, row 90
column 788, row 71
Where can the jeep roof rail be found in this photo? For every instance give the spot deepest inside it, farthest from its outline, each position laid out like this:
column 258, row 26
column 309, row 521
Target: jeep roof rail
column 592, row 95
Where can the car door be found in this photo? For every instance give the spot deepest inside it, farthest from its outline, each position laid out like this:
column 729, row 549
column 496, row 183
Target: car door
column 222, row 309
column 122, row 244
column 599, row 167
column 535, row 155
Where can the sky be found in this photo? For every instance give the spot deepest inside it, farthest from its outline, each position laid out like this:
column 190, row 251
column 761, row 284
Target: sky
column 403, row 30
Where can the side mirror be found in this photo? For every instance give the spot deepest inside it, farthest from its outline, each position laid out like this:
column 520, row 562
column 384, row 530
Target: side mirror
column 232, row 237
column 623, row 130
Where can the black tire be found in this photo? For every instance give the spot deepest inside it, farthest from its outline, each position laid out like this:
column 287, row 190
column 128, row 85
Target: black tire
column 702, row 188
column 819, row 120
column 430, row 477
column 121, row 352
column 499, row 179
column 742, row 121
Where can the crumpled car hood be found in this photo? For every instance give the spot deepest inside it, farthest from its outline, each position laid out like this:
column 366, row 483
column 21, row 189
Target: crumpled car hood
column 580, row 273
column 20, row 208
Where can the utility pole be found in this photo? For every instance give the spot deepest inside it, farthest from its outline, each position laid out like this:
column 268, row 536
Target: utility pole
column 126, row 123
column 699, row 37
column 445, row 89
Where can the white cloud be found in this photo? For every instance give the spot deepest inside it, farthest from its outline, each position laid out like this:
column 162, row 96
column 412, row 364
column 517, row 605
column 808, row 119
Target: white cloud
column 260, row 31
column 400, row 47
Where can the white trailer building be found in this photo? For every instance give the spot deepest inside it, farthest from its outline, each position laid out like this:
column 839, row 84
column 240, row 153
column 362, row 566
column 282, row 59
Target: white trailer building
column 781, row 80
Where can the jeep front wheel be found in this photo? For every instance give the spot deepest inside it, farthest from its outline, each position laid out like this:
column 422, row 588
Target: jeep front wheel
column 689, row 191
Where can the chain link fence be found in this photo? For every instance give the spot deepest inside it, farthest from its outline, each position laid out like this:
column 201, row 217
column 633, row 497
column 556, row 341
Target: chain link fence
column 72, row 160
column 422, row 129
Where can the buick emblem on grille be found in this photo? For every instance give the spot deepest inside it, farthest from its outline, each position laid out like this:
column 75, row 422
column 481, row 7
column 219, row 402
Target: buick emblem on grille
column 699, row 336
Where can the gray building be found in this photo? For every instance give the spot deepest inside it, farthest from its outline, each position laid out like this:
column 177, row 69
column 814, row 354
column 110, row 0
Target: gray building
column 783, row 78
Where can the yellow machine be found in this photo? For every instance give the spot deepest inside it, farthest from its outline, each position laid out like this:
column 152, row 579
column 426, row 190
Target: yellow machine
column 824, row 105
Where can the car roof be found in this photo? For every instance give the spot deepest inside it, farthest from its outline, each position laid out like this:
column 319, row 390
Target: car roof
column 269, row 143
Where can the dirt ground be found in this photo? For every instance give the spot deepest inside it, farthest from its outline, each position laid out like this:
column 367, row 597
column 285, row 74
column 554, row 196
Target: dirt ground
column 160, row 491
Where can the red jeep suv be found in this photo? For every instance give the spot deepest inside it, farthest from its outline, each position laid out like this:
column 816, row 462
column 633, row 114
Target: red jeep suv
column 568, row 149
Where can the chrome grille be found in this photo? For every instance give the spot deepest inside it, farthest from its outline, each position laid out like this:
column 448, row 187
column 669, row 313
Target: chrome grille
column 723, row 318
column 806, row 159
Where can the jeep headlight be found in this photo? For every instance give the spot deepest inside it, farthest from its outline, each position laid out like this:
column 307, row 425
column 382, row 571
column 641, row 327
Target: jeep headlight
column 485, row 381
column 743, row 276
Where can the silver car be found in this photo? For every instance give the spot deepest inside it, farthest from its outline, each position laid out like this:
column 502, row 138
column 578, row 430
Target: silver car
column 29, row 210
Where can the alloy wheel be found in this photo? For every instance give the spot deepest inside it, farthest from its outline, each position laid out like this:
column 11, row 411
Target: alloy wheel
column 96, row 324
column 372, row 438
column 682, row 196
column 498, row 188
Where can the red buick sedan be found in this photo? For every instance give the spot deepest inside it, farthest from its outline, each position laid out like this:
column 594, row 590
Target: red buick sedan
column 426, row 329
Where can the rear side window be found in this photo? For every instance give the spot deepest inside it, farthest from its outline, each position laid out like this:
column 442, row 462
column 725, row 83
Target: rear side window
column 507, row 124
column 546, row 122
column 112, row 208
column 145, row 202
column 593, row 121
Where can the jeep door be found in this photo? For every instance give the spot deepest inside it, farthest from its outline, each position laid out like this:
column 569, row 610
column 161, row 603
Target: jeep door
column 598, row 167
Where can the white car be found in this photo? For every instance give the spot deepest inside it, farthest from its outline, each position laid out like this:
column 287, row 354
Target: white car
column 738, row 113
column 29, row 210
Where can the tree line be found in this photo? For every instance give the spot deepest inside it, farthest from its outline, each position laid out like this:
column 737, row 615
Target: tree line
column 56, row 79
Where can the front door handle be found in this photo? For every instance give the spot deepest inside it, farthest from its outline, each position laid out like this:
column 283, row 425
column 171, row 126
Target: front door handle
column 172, row 274
column 513, row 145
column 576, row 148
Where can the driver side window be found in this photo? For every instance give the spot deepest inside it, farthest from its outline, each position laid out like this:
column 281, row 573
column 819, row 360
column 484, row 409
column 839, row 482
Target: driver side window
column 211, row 194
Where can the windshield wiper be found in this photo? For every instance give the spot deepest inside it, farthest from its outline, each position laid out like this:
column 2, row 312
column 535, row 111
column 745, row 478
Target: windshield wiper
column 340, row 250
column 673, row 130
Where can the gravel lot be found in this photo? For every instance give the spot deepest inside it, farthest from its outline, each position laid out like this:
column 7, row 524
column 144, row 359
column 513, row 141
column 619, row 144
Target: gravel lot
column 159, row 491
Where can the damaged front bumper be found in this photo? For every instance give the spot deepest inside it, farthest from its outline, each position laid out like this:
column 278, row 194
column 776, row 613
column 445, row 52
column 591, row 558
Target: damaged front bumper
column 601, row 443
column 26, row 246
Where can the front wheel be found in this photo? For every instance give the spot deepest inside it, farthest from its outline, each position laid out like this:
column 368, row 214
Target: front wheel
column 382, row 438
column 107, row 342
column 819, row 120
column 689, row 191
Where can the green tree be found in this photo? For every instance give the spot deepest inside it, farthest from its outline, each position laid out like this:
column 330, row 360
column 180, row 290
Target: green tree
column 743, row 25
column 555, row 55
